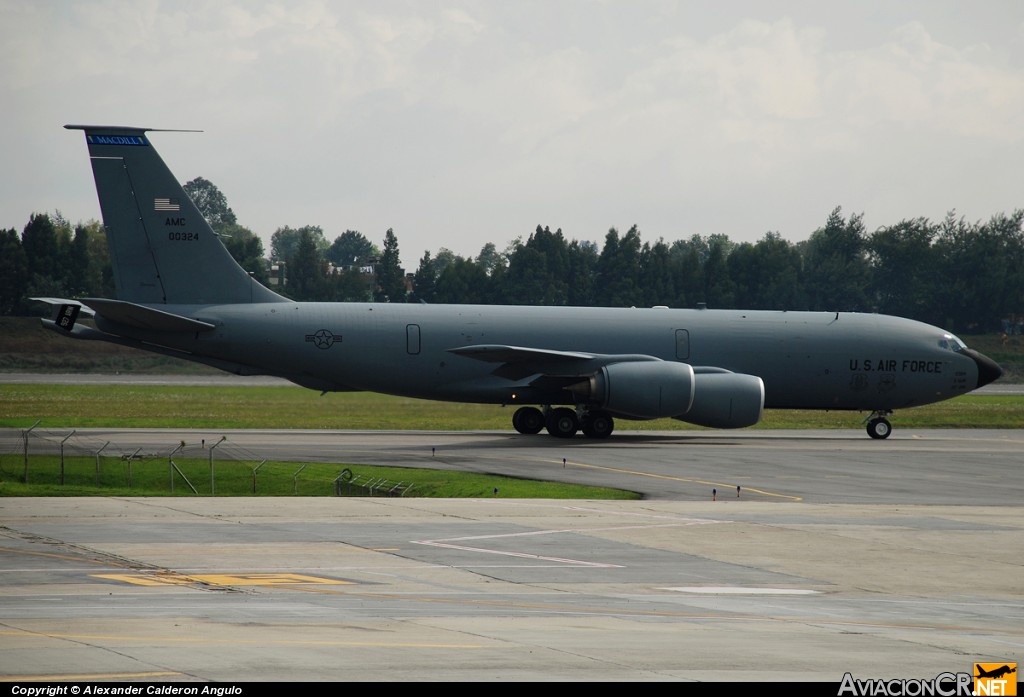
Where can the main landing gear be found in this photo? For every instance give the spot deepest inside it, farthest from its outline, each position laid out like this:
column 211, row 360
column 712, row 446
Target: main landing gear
column 879, row 426
column 563, row 422
column 528, row 420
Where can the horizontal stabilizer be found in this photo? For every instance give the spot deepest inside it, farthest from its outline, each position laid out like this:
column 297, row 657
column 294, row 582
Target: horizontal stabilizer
column 65, row 301
column 80, row 331
column 142, row 317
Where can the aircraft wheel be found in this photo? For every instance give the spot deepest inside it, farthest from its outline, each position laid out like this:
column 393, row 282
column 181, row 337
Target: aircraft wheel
column 562, row 422
column 528, row 420
column 597, row 424
column 879, row 428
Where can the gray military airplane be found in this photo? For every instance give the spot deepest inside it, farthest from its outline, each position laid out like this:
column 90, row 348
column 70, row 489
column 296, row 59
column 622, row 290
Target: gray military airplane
column 566, row 369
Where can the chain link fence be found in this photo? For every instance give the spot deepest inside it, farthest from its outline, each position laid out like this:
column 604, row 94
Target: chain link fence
column 68, row 459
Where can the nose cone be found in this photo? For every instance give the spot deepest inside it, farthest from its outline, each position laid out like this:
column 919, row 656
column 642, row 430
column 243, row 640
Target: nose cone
column 988, row 369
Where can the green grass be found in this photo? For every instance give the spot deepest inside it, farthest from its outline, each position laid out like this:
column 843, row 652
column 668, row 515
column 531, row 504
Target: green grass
column 968, row 411
column 153, row 477
column 121, row 406
column 151, row 406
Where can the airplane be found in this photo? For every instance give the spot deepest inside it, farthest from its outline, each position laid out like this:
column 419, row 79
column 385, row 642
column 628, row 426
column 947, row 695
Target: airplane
column 564, row 369
column 995, row 673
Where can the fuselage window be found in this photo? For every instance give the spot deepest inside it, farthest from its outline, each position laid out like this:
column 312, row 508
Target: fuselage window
column 948, row 341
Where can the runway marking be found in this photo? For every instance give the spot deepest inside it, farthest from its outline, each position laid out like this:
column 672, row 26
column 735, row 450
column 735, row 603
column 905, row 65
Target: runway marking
column 737, row 590
column 724, row 488
column 85, row 677
column 613, row 612
column 243, row 642
column 445, row 544
column 66, row 557
column 172, row 579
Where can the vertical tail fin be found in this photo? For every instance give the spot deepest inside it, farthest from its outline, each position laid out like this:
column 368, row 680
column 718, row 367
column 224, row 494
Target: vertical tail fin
column 162, row 249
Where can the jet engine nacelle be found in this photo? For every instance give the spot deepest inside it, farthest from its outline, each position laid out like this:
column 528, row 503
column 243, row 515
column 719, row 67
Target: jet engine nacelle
column 726, row 400
column 641, row 390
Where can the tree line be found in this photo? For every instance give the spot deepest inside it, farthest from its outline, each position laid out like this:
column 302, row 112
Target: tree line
column 967, row 277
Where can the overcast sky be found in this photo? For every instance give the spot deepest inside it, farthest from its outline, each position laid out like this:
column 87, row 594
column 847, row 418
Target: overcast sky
column 458, row 123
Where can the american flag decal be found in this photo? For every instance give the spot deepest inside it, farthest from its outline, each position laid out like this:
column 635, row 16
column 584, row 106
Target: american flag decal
column 166, row 204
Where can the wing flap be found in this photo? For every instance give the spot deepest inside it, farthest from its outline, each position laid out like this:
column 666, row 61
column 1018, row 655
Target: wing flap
column 498, row 353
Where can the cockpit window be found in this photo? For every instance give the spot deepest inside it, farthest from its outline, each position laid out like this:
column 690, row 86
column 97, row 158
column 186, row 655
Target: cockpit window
column 948, row 341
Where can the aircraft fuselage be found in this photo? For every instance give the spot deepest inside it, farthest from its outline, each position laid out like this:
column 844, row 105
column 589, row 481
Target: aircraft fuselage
column 807, row 360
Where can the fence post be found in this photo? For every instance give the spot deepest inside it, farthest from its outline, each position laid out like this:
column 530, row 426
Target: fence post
column 130, row 458
column 98, row 462
column 170, row 463
column 295, row 478
column 62, row 456
column 24, row 434
column 254, row 471
column 222, row 439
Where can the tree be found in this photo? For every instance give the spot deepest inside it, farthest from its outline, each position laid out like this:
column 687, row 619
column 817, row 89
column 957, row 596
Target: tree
column 462, row 281
column 981, row 271
column 442, row 260
column 246, row 248
column 99, row 259
column 425, row 280
column 82, row 278
column 285, row 241
column 351, row 248
column 41, row 243
column 836, row 265
column 390, row 276
column 351, row 285
column 13, row 271
column 582, row 259
column 47, row 252
column 719, row 289
column 306, row 279
column 537, row 270
column 211, row 203
column 903, row 269
column 618, row 270
column 490, row 259
column 656, row 283
column 687, row 263
column 767, row 275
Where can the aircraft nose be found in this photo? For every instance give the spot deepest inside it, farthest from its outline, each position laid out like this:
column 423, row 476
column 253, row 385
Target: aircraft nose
column 988, row 369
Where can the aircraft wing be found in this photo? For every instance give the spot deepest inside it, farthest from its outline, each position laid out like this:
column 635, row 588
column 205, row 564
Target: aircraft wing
column 498, row 353
column 517, row 362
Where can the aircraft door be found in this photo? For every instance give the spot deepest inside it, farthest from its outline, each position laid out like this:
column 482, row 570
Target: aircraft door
column 412, row 339
column 682, row 344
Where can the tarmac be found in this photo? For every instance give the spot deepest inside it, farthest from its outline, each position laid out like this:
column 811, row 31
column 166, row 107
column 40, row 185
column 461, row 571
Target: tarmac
column 836, row 554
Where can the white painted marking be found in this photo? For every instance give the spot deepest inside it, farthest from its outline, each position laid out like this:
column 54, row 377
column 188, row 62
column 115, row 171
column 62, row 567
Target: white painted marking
column 519, row 555
column 738, row 590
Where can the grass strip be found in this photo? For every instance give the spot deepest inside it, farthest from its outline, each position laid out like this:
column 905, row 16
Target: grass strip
column 168, row 476
column 159, row 406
